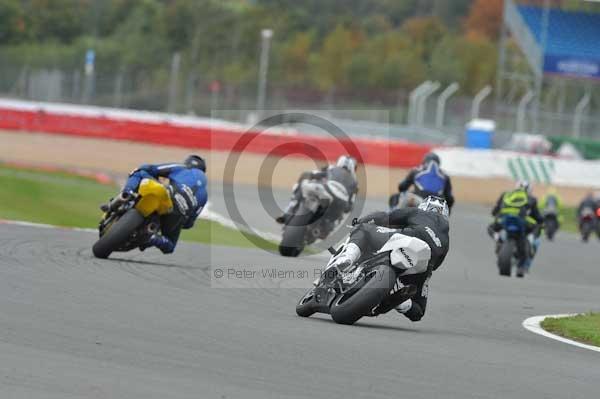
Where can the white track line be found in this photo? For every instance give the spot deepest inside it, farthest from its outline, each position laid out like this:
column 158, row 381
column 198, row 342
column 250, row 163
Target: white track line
column 533, row 324
column 45, row 226
column 207, row 214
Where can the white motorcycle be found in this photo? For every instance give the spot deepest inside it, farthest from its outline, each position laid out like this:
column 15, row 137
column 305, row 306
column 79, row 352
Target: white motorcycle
column 318, row 212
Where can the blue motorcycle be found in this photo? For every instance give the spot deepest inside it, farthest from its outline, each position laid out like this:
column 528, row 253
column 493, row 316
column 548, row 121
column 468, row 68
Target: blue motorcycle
column 508, row 251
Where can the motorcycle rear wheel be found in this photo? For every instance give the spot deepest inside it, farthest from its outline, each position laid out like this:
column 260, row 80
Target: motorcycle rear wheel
column 505, row 256
column 118, row 234
column 292, row 240
column 586, row 231
column 551, row 229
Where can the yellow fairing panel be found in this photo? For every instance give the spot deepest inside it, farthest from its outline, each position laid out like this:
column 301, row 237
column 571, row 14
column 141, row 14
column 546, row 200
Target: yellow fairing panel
column 155, row 198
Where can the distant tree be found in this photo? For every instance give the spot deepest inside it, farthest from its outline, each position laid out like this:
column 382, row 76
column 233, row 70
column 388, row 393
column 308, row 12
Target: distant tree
column 447, row 64
column 359, row 71
column 485, row 18
column 295, row 57
column 180, row 21
column 375, row 24
column 479, row 55
column 335, row 55
column 61, row 20
column 452, row 12
column 143, row 36
column 425, row 32
column 396, row 10
column 401, row 70
column 12, row 22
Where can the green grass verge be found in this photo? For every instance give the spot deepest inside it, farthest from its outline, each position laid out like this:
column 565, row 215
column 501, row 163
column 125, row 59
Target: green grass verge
column 582, row 328
column 569, row 220
column 72, row 201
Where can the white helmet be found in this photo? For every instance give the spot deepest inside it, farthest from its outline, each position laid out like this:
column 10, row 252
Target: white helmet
column 436, row 205
column 524, row 185
column 346, row 162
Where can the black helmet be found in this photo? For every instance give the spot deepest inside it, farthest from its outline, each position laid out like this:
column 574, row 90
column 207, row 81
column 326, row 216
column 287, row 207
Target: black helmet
column 196, row 162
column 432, row 157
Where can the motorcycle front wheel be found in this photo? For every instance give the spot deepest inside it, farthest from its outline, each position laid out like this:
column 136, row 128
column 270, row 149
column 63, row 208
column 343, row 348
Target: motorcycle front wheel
column 305, row 306
column 505, row 256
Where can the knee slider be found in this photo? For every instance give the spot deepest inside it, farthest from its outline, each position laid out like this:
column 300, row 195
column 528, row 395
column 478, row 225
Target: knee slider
column 415, row 313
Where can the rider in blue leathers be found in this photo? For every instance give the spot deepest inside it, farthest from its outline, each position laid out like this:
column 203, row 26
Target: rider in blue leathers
column 428, row 180
column 187, row 185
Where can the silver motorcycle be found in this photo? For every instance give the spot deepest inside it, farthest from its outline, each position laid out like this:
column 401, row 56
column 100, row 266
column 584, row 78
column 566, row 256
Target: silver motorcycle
column 318, row 212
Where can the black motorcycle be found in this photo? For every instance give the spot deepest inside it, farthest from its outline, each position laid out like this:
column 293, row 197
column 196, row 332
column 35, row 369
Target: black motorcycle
column 588, row 223
column 551, row 225
column 367, row 289
column 507, row 246
column 317, row 214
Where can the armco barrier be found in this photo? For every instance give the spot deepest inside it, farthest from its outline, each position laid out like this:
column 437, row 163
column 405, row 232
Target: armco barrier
column 171, row 130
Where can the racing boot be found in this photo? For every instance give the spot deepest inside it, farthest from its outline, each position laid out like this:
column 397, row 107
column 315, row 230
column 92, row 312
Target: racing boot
column 401, row 292
column 287, row 213
column 411, row 310
column 340, row 262
column 165, row 245
column 404, row 307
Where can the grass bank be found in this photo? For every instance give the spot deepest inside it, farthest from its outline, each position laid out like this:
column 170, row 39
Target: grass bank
column 569, row 220
column 72, row 201
column 583, row 328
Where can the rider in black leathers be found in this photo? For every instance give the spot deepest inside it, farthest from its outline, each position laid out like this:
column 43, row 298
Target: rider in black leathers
column 344, row 172
column 428, row 223
column 592, row 202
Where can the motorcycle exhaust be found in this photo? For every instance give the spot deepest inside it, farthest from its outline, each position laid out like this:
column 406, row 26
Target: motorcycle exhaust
column 152, row 228
column 119, row 200
column 316, row 232
column 125, row 196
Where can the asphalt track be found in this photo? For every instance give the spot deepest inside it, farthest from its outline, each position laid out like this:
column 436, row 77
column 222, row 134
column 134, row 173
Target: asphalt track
column 148, row 326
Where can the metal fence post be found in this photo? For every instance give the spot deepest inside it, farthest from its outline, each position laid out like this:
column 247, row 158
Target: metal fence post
column 413, row 99
column 118, row 94
column 479, row 98
column 173, row 82
column 441, row 103
column 422, row 102
column 579, row 109
column 263, row 69
column 522, row 109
